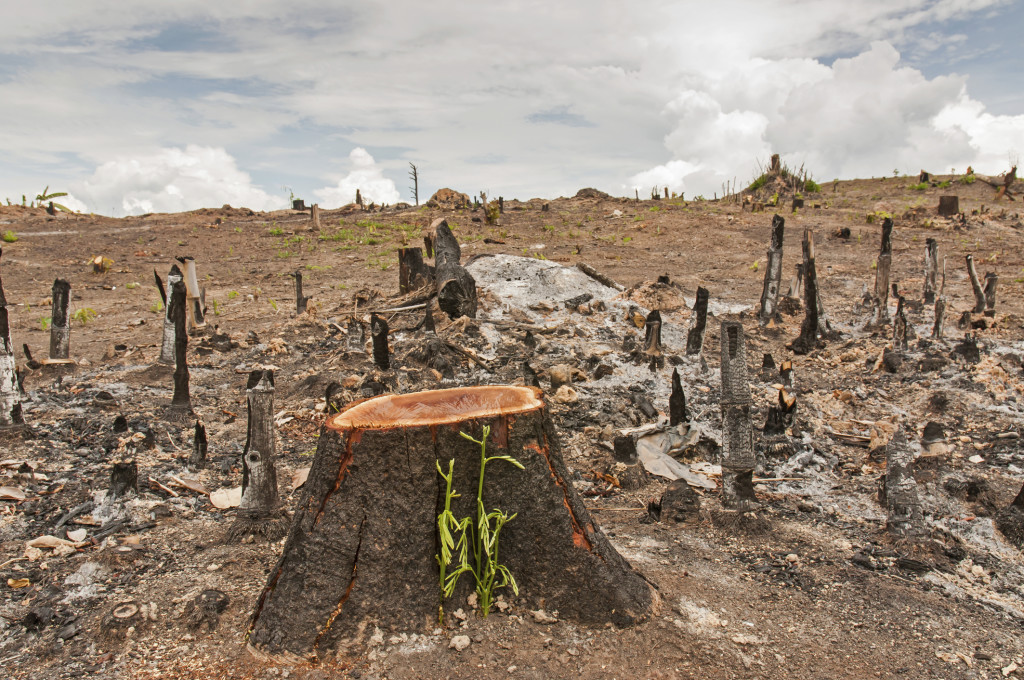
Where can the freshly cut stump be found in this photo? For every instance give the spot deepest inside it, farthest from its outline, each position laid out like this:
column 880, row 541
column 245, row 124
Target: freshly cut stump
column 361, row 550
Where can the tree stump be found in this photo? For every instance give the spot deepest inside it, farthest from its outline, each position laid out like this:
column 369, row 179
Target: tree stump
column 60, row 320
column 167, row 344
column 931, row 270
column 949, row 206
column 258, row 512
column 698, row 322
column 10, row 392
column 361, row 550
column 882, row 268
column 413, row 272
column 456, row 288
column 768, row 310
column 979, row 292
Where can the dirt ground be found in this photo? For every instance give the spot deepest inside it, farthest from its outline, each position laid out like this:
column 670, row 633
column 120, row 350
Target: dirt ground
column 809, row 585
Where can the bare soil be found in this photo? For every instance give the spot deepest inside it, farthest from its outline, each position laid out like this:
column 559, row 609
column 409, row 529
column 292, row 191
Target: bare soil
column 810, row 585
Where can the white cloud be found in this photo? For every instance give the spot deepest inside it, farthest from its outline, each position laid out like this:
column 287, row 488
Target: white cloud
column 365, row 176
column 173, row 180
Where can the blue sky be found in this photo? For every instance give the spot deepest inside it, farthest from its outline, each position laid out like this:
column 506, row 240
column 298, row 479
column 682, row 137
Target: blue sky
column 173, row 105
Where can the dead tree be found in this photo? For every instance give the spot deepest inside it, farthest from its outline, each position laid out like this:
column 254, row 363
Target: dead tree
column 796, row 284
column 414, row 175
column 883, row 265
column 413, row 272
column 677, row 402
column 808, row 338
column 359, row 198
column 698, row 323
column 772, row 274
column 379, row 333
column 652, row 340
column 931, row 269
column 456, row 287
column 899, row 328
column 899, row 489
column 181, row 402
column 990, row 293
column 259, row 512
column 167, row 346
column 10, row 392
column 737, row 433
column 300, row 300
column 60, row 321
column 363, row 525
column 979, row 292
column 200, row 445
column 194, row 303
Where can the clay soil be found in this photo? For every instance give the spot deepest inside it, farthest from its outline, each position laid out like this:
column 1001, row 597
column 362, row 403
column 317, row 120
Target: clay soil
column 810, row 585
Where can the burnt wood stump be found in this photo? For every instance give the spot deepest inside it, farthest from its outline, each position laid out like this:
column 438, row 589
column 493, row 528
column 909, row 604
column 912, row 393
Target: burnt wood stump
column 456, row 287
column 768, row 310
column 949, row 206
column 60, row 320
column 361, row 550
column 10, row 391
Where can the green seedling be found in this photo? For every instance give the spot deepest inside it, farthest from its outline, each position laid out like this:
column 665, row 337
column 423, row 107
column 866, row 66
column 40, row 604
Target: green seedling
column 84, row 315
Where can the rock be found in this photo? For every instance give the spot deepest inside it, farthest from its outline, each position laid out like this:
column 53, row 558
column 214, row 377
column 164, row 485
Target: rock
column 459, row 643
column 448, row 199
column 602, row 370
column 591, row 193
column 566, row 395
column 541, row 616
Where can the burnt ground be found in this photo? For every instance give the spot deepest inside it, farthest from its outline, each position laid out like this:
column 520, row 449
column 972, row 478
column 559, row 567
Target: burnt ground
column 809, row 585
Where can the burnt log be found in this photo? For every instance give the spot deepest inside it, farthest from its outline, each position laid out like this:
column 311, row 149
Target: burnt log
column 369, row 511
column 413, row 272
column 781, row 415
column 200, row 445
column 652, row 340
column 698, row 323
column 456, row 288
column 737, row 433
column 990, row 293
column 379, row 333
column 124, row 477
column 167, row 345
column 940, row 317
column 898, row 491
column 181, row 402
column 60, row 320
column 808, row 338
column 979, row 292
column 883, row 266
column 768, row 310
column 301, row 301
column 677, row 402
column 949, row 206
column 259, row 511
column 931, row 270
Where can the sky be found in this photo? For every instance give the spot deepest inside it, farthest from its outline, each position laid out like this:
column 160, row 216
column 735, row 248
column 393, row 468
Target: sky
column 173, row 105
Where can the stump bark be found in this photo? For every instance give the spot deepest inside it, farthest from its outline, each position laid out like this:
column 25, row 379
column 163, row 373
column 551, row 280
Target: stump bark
column 181, row 401
column 773, row 274
column 979, row 292
column 698, row 323
column 882, row 269
column 413, row 272
column 167, row 345
column 808, row 340
column 361, row 550
column 931, row 270
column 949, row 206
column 456, row 288
column 60, row 320
column 258, row 512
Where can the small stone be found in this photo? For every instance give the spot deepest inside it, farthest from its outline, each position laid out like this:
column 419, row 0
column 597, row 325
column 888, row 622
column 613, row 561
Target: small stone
column 459, row 643
column 977, row 571
column 541, row 616
column 566, row 395
column 976, row 459
column 792, row 558
column 212, row 567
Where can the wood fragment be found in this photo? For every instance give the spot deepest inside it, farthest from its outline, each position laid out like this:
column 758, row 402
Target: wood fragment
column 698, row 323
column 979, row 292
column 598, row 276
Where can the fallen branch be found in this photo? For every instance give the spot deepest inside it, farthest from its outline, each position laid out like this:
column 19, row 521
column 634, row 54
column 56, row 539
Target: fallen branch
column 598, row 276
column 469, row 355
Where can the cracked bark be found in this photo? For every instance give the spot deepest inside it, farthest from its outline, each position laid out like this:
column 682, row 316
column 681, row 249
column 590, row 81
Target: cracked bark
column 698, row 323
column 60, row 320
column 772, row 274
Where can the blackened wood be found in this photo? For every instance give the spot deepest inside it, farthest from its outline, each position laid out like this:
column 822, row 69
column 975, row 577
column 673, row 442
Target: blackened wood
column 899, row 328
column 379, row 333
column 501, row 205
column 883, row 265
column 260, row 499
column 301, row 301
column 334, row 398
column 167, row 345
column 772, row 273
column 298, row 204
column 931, row 269
column 428, row 320
column 652, row 339
column 940, row 317
column 200, row 445
column 598, row 276
column 698, row 323
column 359, row 198
column 949, row 206
column 181, row 399
column 124, row 477
column 808, row 338
column 413, row 273
column 355, row 336
column 797, row 204
column 979, row 292
column 737, row 432
column 160, row 288
column 899, row 489
column 677, row 402
column 10, row 392
column 456, row 288
column 624, row 449
column 367, row 520
column 990, row 293
column 781, row 415
column 60, row 320
column 530, row 378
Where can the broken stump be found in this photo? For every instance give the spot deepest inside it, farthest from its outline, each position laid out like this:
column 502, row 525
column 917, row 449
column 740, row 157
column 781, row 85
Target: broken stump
column 361, row 550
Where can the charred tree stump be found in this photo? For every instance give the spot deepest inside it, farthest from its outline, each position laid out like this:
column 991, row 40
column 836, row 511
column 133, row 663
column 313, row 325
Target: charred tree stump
column 194, row 303
column 773, row 274
column 379, row 333
column 940, row 317
column 737, row 433
column 979, row 292
column 298, row 204
column 677, row 402
column 300, row 300
column 652, row 340
column 456, row 288
column 883, row 265
column 698, row 323
column 60, row 321
column 355, row 336
column 428, row 321
column 780, row 416
column 314, row 217
column 899, row 328
column 167, row 346
column 808, row 338
column 10, row 392
column 796, row 284
column 530, row 378
column 200, row 445
column 413, row 272
column 124, row 477
column 361, row 550
column 931, row 270
column 949, row 206
column 181, row 402
column 259, row 512
column 1010, row 521
column 899, row 489
column 990, row 293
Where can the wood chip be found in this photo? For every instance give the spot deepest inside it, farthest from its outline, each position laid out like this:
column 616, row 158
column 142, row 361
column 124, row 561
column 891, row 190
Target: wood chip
column 226, row 498
column 11, row 493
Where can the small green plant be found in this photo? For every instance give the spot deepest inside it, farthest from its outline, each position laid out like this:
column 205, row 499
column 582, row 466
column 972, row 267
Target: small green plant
column 812, row 187
column 157, row 306
column 216, row 307
column 944, row 185
column 273, row 303
column 9, row 236
column 232, row 295
column 83, row 315
column 44, row 322
column 482, row 536
column 46, row 197
column 754, row 267
column 967, row 179
column 131, row 285
column 275, row 231
column 919, row 187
